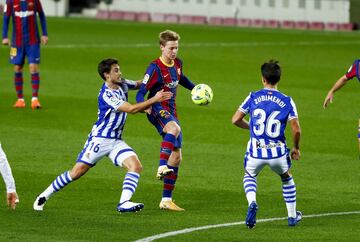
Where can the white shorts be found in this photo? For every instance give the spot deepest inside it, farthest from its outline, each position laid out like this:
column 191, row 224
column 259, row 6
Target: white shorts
column 278, row 165
column 96, row 148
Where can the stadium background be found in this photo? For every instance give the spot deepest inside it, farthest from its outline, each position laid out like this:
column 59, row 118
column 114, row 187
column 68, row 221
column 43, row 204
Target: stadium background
column 41, row 144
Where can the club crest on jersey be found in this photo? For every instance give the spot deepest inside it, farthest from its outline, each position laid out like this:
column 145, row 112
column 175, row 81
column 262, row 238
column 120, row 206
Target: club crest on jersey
column 146, row 79
column 172, row 84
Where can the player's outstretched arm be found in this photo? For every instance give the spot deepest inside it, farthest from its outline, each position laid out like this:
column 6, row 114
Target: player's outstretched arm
column 160, row 96
column 238, row 120
column 338, row 84
column 296, row 133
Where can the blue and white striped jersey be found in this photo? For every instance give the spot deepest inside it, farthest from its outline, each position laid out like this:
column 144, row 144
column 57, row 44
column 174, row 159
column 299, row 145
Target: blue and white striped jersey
column 110, row 122
column 269, row 111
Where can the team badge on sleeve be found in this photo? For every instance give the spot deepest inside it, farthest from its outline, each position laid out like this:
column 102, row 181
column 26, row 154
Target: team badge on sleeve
column 146, row 78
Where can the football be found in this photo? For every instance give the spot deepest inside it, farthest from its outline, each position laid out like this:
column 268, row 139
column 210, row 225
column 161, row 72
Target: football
column 202, row 94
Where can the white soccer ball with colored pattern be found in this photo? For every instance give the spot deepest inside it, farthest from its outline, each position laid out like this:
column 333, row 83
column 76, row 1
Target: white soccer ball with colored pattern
column 202, row 94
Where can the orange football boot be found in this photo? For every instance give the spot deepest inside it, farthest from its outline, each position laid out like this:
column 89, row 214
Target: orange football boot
column 20, row 103
column 35, row 104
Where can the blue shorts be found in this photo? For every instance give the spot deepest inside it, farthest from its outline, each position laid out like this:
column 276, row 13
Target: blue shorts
column 159, row 119
column 18, row 54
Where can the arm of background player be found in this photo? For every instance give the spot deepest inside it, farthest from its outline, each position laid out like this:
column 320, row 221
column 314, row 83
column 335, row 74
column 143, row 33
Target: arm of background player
column 296, row 132
column 44, row 36
column 141, row 106
column 185, row 82
column 6, row 20
column 338, row 85
column 238, row 120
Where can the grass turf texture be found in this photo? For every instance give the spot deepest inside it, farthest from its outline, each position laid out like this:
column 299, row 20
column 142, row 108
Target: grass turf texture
column 42, row 144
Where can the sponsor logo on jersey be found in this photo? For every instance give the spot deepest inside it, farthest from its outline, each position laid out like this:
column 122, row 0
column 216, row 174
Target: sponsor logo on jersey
column 268, row 146
column 24, row 14
column 172, row 84
column 146, row 79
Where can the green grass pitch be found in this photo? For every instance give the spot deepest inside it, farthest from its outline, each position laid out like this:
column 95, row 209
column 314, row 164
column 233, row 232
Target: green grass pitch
column 43, row 143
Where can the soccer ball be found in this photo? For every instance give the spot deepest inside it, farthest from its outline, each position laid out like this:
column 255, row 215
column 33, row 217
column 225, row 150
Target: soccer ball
column 202, row 94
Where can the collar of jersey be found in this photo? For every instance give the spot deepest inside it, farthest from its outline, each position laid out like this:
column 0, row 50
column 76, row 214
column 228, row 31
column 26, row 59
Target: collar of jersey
column 270, row 89
column 168, row 65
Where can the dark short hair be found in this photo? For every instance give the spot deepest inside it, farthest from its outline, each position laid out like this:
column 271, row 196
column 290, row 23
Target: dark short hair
column 271, row 71
column 105, row 66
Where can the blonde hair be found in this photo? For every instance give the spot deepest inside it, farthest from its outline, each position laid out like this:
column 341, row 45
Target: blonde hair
column 168, row 35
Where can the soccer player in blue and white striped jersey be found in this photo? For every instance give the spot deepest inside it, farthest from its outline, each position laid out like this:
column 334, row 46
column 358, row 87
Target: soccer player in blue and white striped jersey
column 269, row 111
column 105, row 138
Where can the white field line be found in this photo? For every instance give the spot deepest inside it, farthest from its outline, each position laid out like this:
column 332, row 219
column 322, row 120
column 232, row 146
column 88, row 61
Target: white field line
column 189, row 230
column 204, row 44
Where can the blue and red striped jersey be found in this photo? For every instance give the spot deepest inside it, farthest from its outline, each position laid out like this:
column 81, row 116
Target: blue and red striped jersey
column 25, row 27
column 353, row 71
column 162, row 76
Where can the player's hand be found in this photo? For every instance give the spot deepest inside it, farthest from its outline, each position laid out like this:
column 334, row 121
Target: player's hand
column 12, row 199
column 5, row 41
column 148, row 110
column 162, row 96
column 295, row 154
column 328, row 99
column 44, row 39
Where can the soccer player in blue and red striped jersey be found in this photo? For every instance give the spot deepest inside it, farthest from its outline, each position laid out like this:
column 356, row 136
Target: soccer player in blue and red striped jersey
column 354, row 71
column 269, row 111
column 105, row 138
column 25, row 42
column 166, row 73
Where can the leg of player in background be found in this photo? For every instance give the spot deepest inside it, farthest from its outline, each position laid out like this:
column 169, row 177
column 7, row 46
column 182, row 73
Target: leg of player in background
column 134, row 168
column 35, row 84
column 172, row 131
column 18, row 82
column 169, row 182
column 289, row 194
column 59, row 183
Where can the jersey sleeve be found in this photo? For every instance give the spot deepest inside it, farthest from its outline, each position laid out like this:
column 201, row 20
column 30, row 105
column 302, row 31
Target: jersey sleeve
column 111, row 100
column 130, row 83
column 42, row 17
column 150, row 79
column 245, row 106
column 353, row 70
column 293, row 111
